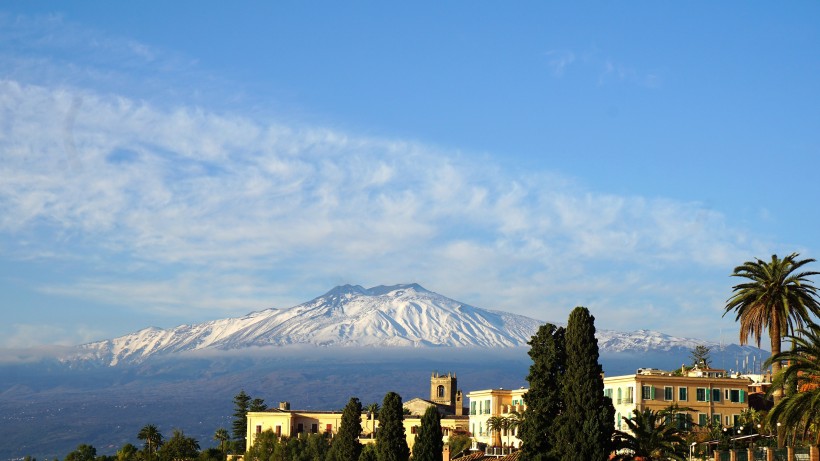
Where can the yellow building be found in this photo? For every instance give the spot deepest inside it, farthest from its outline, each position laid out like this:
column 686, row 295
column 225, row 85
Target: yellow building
column 285, row 422
column 485, row 404
column 711, row 394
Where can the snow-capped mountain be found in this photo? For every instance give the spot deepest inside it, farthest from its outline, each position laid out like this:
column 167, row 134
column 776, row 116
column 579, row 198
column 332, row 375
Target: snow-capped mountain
column 383, row 316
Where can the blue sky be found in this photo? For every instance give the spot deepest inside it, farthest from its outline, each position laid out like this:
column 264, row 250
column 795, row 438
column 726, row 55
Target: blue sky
column 168, row 163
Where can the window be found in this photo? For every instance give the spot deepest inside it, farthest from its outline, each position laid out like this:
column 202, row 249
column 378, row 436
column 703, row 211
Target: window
column 440, row 391
column 737, row 396
column 703, row 419
column 278, row 431
column 619, row 418
column 735, row 420
column 607, row 393
column 300, row 428
column 668, row 394
column 620, row 396
column 630, row 395
column 486, row 407
column 329, row 428
column 716, row 395
column 682, row 394
column 413, row 429
column 258, row 429
column 701, row 394
column 716, row 419
column 472, row 409
column 646, row 392
column 314, row 428
column 683, row 422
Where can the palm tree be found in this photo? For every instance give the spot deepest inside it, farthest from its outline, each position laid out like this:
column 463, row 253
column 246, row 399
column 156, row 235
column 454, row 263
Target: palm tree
column 649, row 438
column 496, row 424
column 152, row 437
column 222, row 436
column 373, row 411
column 775, row 298
column 514, row 422
column 803, row 406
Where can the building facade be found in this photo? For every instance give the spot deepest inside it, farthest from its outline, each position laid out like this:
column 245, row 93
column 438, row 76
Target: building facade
column 504, row 403
column 702, row 396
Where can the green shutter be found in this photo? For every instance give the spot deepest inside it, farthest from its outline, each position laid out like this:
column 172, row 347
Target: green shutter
column 708, row 392
column 652, row 393
column 742, row 396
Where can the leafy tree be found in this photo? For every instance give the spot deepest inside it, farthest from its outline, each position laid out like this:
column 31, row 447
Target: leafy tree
column 211, row 454
column 128, row 452
column 801, row 407
column 586, row 423
column 458, row 443
column 221, row 435
column 264, row 446
column 152, row 438
column 346, row 442
column 700, row 356
column 368, row 453
column 429, row 444
column 239, row 427
column 543, row 399
column 649, row 438
column 391, row 444
column 179, row 447
column 83, row 452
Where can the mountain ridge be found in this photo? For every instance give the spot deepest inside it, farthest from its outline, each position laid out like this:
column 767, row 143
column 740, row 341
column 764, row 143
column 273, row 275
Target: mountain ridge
column 402, row 315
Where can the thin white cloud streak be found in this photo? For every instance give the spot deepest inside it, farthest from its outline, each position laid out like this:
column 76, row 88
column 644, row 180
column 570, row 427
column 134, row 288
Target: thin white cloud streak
column 185, row 209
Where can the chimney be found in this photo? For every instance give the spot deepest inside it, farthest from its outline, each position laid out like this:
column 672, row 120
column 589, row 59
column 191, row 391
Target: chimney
column 284, row 406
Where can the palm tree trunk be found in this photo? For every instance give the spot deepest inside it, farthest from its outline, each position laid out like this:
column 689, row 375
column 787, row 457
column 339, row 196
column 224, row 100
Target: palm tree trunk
column 777, row 394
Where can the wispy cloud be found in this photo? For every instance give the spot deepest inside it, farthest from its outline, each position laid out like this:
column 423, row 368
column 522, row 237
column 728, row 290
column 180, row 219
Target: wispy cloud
column 181, row 208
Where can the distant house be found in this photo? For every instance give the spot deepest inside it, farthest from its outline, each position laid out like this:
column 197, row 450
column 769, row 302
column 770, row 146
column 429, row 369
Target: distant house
column 488, row 403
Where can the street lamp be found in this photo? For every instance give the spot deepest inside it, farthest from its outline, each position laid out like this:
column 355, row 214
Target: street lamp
column 691, row 450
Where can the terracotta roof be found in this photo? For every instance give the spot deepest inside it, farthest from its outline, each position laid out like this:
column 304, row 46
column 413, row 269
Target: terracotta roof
column 480, row 456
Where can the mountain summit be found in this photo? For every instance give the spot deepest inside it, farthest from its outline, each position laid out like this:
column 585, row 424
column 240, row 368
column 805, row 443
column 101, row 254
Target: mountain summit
column 348, row 315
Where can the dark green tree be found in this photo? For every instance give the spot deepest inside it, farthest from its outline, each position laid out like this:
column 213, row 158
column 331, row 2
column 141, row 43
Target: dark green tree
column 586, row 423
column 543, row 399
column 429, row 444
column 179, row 448
column 152, row 438
column 128, row 452
column 211, row 454
column 241, row 402
column 83, row 452
column 458, row 443
column 264, row 446
column 257, row 404
column 346, row 442
column 700, row 356
column 368, row 453
column 391, row 444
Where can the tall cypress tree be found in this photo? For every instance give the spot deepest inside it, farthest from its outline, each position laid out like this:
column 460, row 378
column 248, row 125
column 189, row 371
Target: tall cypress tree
column 239, row 427
column 429, row 444
column 391, row 444
column 543, row 399
column 346, row 442
column 586, row 423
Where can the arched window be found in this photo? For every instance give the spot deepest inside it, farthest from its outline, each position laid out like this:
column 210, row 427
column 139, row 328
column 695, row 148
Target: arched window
column 440, row 391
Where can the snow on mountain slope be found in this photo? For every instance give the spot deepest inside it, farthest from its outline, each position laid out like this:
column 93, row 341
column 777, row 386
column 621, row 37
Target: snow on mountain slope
column 383, row 316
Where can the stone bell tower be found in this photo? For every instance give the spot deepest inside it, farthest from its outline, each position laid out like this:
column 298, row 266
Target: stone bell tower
column 444, row 390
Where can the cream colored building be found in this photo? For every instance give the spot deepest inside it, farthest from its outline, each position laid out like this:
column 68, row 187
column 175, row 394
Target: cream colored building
column 285, row 422
column 712, row 395
column 485, row 404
